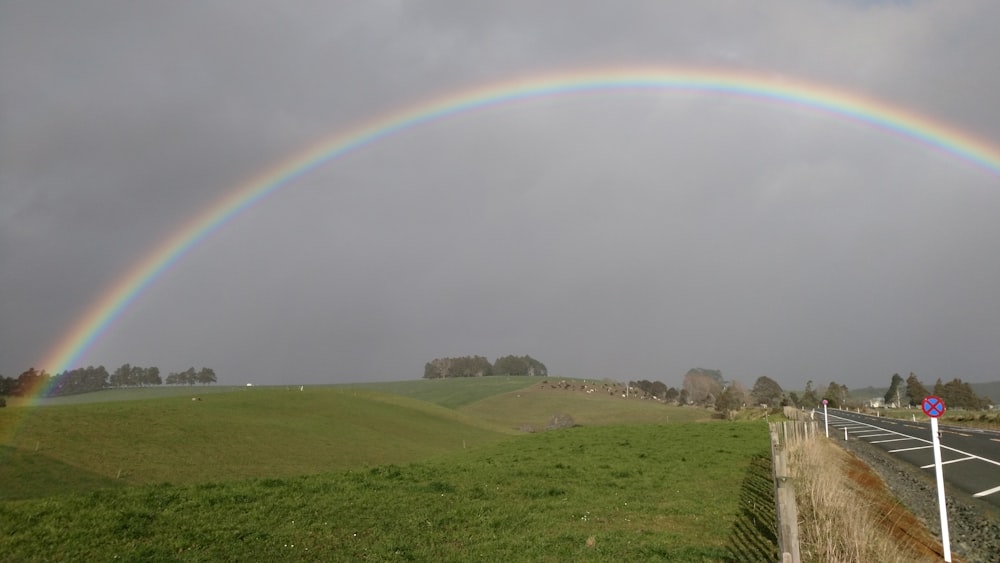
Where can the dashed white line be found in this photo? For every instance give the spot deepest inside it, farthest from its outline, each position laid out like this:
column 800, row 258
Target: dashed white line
column 893, row 440
column 950, row 461
column 987, row 492
column 911, row 449
column 927, row 442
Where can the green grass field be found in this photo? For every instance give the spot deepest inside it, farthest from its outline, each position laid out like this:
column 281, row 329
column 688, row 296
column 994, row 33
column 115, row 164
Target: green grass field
column 355, row 473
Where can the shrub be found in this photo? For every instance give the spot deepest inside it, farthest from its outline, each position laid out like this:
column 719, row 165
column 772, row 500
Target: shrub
column 559, row 421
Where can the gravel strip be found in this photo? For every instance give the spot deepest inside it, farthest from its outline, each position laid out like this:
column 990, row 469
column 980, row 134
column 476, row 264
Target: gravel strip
column 973, row 525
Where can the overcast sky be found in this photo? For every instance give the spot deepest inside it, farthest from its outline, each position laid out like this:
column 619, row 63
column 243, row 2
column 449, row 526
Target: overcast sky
column 616, row 234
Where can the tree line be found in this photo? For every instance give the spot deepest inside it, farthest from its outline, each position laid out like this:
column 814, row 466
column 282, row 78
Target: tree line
column 90, row 378
column 479, row 366
column 956, row 393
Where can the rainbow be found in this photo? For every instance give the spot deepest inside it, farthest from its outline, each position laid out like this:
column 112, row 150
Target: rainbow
column 783, row 91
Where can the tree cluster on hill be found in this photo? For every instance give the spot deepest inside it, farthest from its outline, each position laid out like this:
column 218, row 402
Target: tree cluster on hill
column 911, row 391
column 766, row 392
column 959, row 394
column 810, row 398
column 837, row 396
column 703, row 386
column 655, row 390
column 519, row 365
column 733, row 398
column 190, row 377
column 479, row 366
column 90, row 378
column 135, row 376
column 22, row 384
column 80, row 380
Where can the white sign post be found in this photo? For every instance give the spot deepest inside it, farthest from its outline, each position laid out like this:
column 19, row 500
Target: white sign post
column 826, row 420
column 934, row 407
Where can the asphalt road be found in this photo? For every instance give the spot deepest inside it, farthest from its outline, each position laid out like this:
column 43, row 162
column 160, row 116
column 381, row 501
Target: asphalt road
column 970, row 457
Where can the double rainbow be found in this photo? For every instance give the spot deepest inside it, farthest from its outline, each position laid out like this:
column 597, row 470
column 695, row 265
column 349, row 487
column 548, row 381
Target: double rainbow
column 793, row 93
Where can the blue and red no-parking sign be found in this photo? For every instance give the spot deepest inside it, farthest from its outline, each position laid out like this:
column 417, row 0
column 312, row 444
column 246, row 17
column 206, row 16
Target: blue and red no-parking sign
column 933, row 406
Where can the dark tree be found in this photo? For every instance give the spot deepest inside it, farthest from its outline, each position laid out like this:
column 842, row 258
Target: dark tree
column 959, row 394
column 7, row 385
column 915, row 390
column 29, row 381
column 731, row 399
column 809, row 398
column 766, row 391
column 894, row 392
column 659, row 390
column 836, row 395
column 519, row 365
column 79, row 380
column 703, row 386
column 205, row 376
column 186, row 377
column 671, row 394
column 939, row 389
column 152, row 376
column 121, row 377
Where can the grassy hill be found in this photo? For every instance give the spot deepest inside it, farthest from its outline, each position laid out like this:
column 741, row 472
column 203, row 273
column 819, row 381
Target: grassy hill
column 452, row 392
column 436, row 471
column 601, row 493
column 142, row 436
column 250, row 432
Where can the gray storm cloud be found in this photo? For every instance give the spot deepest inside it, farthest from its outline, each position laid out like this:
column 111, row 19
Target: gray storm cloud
column 614, row 234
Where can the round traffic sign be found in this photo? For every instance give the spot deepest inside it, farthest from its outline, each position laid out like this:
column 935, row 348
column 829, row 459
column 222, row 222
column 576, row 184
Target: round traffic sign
column 933, row 406
column 824, row 401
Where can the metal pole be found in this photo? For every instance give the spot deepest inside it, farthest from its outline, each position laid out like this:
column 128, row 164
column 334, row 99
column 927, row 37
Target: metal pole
column 826, row 421
column 945, row 541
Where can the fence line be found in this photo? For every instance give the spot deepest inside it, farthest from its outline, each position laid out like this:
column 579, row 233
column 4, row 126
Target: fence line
column 786, row 512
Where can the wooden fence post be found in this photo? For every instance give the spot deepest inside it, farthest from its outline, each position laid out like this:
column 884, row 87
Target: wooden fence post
column 786, row 512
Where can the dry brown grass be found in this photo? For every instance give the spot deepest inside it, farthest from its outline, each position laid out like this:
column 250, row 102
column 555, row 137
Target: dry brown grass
column 846, row 513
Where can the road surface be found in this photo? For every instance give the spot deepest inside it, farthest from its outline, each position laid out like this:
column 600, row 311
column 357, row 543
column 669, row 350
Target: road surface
column 970, row 457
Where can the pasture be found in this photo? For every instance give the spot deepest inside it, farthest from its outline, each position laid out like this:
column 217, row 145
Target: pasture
column 348, row 473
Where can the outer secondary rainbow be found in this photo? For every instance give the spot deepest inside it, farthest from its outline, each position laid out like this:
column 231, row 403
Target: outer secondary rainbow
column 793, row 93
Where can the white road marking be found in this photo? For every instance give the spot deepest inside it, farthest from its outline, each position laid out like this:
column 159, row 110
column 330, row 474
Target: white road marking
column 947, row 462
column 928, row 442
column 911, row 449
column 988, row 492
